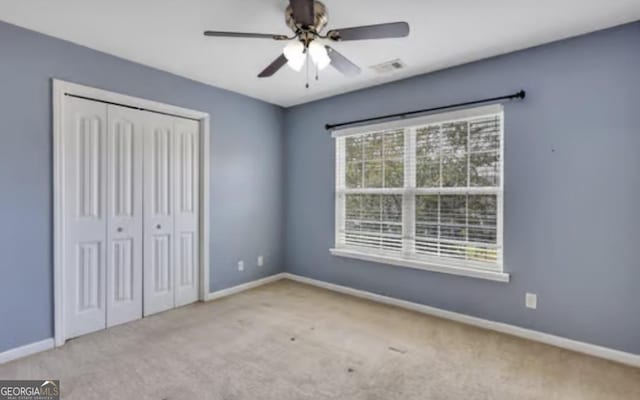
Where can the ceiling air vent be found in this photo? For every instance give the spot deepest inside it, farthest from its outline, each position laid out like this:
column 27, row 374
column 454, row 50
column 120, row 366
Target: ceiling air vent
column 388, row 66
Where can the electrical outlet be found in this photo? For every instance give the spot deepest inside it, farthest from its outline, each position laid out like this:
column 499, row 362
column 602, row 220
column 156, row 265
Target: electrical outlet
column 240, row 265
column 260, row 261
column 531, row 300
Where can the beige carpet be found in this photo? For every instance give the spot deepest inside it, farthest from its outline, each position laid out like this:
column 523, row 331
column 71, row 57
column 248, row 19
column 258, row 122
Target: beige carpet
column 291, row 341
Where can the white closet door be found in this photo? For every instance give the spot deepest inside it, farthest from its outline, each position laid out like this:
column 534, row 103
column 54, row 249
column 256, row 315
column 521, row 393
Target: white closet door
column 124, row 211
column 84, row 257
column 159, row 196
column 186, row 217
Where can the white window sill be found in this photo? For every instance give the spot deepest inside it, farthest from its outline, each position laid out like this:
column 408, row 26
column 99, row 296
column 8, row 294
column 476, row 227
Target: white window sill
column 423, row 265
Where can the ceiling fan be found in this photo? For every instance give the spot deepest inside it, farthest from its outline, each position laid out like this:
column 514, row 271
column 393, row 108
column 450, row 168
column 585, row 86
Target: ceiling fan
column 307, row 19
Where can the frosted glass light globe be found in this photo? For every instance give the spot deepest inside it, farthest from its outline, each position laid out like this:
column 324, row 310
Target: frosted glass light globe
column 294, row 53
column 319, row 55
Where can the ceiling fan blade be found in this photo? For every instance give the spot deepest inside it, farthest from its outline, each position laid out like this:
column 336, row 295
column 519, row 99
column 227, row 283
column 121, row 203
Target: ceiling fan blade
column 379, row 31
column 303, row 12
column 342, row 63
column 273, row 67
column 245, row 35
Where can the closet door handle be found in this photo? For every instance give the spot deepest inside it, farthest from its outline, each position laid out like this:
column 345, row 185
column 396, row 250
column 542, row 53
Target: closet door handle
column 119, row 229
column 158, row 226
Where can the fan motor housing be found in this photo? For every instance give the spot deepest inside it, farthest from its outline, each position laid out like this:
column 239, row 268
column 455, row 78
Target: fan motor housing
column 320, row 18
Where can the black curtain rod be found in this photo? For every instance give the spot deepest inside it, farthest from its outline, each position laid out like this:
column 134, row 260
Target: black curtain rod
column 520, row 95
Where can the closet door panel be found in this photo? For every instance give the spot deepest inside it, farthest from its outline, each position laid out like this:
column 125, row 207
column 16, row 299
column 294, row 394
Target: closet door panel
column 186, row 218
column 84, row 227
column 124, row 205
column 159, row 238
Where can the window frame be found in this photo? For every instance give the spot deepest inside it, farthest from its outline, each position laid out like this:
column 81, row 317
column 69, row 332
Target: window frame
column 408, row 257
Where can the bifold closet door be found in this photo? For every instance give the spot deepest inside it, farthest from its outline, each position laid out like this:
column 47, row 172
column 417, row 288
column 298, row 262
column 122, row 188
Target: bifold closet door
column 131, row 214
column 124, row 211
column 171, row 235
column 85, row 216
column 103, row 216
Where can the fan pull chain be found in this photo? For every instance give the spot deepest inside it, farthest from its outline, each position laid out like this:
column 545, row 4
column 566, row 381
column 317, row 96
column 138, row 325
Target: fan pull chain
column 307, row 66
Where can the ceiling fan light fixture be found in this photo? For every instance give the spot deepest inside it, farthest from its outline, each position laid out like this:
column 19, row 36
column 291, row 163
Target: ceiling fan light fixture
column 319, row 55
column 294, row 53
column 296, row 65
column 307, row 19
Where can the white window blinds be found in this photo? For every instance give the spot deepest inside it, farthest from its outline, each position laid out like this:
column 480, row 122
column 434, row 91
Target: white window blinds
column 426, row 189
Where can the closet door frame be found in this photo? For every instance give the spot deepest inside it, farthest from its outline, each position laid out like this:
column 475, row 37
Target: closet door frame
column 60, row 90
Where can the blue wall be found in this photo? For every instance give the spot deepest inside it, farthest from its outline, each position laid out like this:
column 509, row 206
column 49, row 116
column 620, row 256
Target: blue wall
column 572, row 182
column 246, row 171
column 572, row 188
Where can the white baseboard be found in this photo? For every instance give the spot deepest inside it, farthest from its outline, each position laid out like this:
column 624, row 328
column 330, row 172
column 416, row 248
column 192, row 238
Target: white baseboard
column 569, row 344
column 26, row 350
column 245, row 286
column 47, row 344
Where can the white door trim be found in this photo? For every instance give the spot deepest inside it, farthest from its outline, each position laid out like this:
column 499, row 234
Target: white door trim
column 60, row 88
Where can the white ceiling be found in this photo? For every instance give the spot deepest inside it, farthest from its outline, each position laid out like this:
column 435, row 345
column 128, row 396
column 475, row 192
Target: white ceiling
column 167, row 34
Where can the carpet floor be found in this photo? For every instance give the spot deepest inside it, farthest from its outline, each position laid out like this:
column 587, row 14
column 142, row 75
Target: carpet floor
column 287, row 340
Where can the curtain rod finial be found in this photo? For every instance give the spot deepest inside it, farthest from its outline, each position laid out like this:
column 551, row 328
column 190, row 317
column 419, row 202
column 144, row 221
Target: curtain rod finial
column 521, row 94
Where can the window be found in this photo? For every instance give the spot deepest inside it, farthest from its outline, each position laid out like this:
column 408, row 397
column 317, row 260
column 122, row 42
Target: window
column 425, row 193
